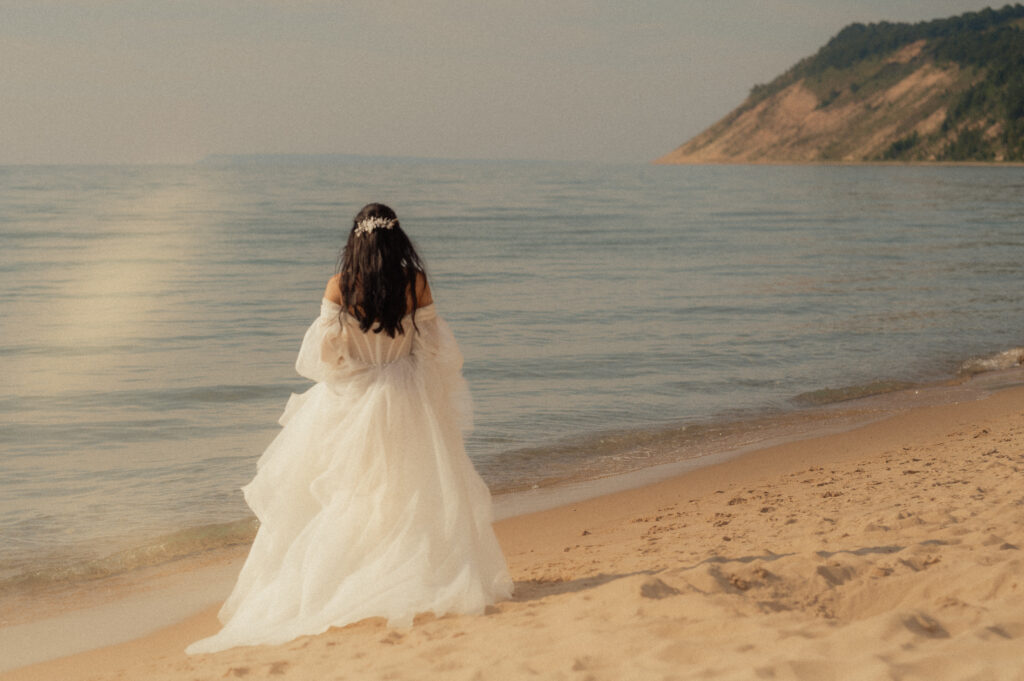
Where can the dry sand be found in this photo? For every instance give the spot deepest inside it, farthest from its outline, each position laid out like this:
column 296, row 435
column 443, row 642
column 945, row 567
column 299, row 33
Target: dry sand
column 893, row 551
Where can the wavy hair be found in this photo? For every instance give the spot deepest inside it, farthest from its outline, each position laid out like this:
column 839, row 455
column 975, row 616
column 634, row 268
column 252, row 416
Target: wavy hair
column 379, row 267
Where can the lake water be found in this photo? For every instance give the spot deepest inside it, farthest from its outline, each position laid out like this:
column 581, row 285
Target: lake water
column 612, row 317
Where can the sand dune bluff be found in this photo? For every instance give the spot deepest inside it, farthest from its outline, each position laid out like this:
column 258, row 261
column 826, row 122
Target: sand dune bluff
column 941, row 90
column 795, row 125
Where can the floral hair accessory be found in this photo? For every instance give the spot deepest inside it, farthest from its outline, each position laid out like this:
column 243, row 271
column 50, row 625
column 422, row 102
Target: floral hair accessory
column 369, row 224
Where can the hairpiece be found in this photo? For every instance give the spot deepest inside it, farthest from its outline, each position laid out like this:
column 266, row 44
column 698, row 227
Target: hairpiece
column 369, row 224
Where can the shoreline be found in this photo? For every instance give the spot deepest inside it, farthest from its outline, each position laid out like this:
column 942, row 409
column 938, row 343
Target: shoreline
column 908, row 164
column 562, row 469
column 607, row 540
column 781, row 428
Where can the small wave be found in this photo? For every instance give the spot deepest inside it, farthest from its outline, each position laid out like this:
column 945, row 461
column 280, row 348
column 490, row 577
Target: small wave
column 1007, row 359
column 614, row 452
column 162, row 549
column 824, row 396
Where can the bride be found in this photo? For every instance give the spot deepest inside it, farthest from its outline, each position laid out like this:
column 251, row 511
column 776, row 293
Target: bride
column 368, row 505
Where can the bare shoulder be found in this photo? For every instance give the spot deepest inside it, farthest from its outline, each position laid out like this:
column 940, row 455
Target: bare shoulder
column 423, row 294
column 333, row 290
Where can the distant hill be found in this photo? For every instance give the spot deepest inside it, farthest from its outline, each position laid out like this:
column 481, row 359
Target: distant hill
column 293, row 159
column 328, row 159
column 944, row 90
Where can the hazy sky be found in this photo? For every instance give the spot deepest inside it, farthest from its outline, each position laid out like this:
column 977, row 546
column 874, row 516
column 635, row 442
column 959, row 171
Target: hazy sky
column 112, row 81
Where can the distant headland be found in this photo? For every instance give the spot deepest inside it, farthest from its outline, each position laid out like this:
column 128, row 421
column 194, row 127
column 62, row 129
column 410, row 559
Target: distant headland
column 943, row 90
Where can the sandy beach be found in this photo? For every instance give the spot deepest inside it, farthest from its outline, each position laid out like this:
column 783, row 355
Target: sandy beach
column 891, row 551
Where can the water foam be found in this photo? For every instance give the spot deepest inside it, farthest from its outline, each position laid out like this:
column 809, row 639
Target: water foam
column 1007, row 359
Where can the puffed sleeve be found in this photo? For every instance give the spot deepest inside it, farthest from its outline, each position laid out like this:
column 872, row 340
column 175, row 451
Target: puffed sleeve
column 439, row 356
column 322, row 350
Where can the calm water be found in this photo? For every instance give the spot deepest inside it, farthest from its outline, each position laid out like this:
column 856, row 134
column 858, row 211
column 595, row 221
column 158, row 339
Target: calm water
column 151, row 317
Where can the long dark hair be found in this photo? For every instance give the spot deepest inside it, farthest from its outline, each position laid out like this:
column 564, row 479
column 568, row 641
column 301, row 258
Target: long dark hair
column 378, row 268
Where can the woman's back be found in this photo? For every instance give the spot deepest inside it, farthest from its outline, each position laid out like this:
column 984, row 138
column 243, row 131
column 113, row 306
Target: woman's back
column 379, row 348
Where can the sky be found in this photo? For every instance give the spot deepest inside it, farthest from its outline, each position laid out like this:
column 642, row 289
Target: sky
column 172, row 81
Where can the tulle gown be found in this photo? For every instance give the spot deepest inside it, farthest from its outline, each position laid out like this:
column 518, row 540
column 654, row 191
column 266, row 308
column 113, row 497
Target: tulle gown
column 367, row 502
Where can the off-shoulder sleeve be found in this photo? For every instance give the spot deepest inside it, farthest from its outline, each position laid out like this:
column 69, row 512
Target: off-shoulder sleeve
column 439, row 356
column 322, row 349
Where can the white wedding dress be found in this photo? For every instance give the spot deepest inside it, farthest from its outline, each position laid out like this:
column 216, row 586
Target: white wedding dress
column 367, row 502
